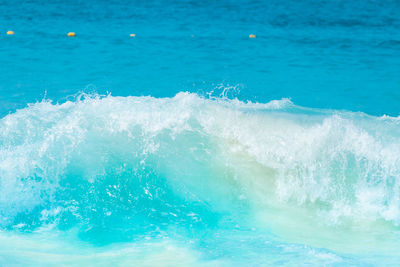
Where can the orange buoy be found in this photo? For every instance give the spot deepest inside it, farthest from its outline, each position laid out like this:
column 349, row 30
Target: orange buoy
column 10, row 33
column 132, row 35
column 252, row 36
column 71, row 34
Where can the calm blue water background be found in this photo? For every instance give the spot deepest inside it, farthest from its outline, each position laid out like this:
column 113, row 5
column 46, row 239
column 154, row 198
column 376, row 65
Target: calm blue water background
column 329, row 54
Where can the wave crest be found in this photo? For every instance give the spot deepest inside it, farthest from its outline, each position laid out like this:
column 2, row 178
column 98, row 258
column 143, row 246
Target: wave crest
column 191, row 159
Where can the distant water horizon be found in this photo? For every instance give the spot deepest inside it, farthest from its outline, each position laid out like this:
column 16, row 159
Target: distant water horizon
column 322, row 54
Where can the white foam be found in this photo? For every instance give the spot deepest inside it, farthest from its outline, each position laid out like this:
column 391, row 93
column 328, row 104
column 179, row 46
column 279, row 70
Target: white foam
column 345, row 163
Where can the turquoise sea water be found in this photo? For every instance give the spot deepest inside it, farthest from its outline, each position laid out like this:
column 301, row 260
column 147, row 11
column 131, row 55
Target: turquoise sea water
column 192, row 144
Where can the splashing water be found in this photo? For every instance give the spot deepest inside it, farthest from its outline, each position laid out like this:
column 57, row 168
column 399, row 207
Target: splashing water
column 195, row 181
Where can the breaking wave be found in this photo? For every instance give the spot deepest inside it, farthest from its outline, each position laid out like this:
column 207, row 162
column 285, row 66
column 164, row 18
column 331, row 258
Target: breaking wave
column 124, row 169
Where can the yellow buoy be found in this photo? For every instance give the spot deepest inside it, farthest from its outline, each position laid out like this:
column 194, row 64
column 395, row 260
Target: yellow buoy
column 10, row 33
column 71, row 34
column 132, row 35
column 252, row 36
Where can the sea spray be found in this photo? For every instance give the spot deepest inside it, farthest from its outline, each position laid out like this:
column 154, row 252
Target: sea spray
column 218, row 174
